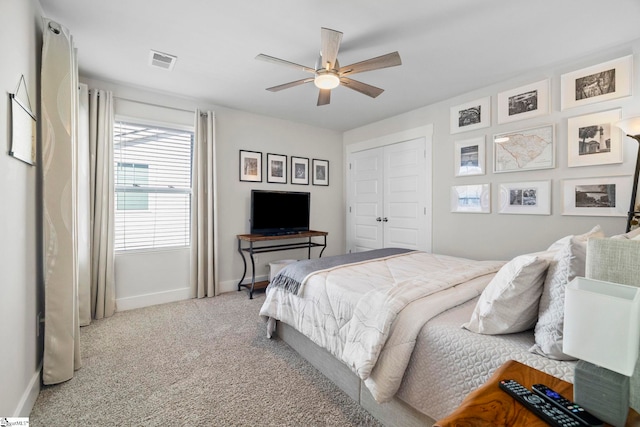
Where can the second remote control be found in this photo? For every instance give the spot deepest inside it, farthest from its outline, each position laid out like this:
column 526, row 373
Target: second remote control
column 536, row 404
column 566, row 405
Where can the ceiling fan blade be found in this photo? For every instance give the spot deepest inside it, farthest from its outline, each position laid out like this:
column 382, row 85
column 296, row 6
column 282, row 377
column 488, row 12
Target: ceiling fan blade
column 384, row 61
column 288, row 85
column 363, row 88
column 329, row 46
column 324, row 97
column 267, row 58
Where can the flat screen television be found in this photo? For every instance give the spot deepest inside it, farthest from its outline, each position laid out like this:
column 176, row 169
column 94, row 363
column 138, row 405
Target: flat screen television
column 279, row 212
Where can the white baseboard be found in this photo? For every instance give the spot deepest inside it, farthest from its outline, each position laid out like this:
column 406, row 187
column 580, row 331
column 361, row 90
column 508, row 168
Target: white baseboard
column 232, row 285
column 146, row 300
column 29, row 396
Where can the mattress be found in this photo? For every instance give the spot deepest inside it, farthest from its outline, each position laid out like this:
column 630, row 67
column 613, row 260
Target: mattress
column 449, row 362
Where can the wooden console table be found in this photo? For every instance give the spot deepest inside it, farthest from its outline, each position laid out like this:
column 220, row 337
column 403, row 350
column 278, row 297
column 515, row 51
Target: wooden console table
column 282, row 246
column 490, row 406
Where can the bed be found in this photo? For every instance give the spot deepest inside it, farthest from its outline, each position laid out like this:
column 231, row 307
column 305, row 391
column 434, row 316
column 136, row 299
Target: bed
column 409, row 334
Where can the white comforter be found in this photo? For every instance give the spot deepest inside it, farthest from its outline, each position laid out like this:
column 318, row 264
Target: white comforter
column 369, row 314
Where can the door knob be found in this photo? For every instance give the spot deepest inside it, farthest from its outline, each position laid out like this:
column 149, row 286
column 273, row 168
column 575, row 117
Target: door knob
column 378, row 219
column 385, row 219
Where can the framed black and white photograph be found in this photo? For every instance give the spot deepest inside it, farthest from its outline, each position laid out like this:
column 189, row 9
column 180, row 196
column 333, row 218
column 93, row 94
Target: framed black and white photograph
column 299, row 170
column 594, row 139
column 474, row 198
column 525, row 149
column 471, row 115
column 320, row 172
column 276, row 168
column 525, row 102
column 250, row 166
column 604, row 196
column 526, row 198
column 602, row 82
column 469, row 157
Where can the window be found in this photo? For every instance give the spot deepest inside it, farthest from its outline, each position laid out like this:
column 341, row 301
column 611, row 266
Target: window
column 152, row 170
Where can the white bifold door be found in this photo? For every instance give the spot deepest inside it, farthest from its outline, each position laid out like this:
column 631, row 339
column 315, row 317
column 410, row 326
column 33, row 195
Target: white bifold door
column 387, row 200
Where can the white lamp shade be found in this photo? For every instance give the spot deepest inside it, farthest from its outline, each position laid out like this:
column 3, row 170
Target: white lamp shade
column 630, row 126
column 602, row 324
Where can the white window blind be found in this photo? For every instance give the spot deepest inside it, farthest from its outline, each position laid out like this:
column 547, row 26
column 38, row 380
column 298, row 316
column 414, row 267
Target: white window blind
column 152, row 171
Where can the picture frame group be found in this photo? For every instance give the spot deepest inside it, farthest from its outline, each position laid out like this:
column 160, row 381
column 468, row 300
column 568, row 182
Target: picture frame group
column 282, row 169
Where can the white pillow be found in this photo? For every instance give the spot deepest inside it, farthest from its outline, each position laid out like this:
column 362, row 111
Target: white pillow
column 509, row 303
column 560, row 243
column 567, row 263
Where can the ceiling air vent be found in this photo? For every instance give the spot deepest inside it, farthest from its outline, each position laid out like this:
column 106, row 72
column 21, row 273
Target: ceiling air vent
column 162, row 60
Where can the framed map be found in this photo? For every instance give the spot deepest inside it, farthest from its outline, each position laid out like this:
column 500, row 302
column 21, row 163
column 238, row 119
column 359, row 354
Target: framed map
column 526, row 149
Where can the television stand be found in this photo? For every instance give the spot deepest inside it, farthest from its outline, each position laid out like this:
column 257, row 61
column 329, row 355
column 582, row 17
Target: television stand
column 282, row 246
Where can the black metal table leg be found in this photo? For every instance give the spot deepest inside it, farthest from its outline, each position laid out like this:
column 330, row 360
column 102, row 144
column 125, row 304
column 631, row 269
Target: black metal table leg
column 244, row 261
column 253, row 270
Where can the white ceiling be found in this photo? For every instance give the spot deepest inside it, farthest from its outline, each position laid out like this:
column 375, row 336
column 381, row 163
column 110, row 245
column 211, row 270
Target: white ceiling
column 448, row 47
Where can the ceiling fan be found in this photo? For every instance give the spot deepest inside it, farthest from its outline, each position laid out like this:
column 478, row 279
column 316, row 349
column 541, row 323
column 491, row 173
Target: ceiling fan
column 328, row 74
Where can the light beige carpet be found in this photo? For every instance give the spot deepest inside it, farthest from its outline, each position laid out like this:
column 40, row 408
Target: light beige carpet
column 201, row 362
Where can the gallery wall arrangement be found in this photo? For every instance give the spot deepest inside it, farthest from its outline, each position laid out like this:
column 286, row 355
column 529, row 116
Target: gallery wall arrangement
column 250, row 168
column 592, row 139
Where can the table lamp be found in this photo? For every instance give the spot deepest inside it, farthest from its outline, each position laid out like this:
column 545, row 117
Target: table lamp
column 631, row 127
column 602, row 330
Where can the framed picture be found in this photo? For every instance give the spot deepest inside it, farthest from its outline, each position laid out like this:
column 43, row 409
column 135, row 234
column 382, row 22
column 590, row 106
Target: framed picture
column 320, row 172
column 299, row 170
column 604, row 196
column 475, row 198
column 471, row 115
column 23, row 130
column 524, row 102
column 602, row 82
column 469, row 157
column 527, row 198
column 250, row 166
column 593, row 139
column 276, row 168
column 526, row 149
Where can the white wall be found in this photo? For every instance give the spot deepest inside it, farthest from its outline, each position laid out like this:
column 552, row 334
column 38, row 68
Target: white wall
column 20, row 41
column 235, row 130
column 501, row 236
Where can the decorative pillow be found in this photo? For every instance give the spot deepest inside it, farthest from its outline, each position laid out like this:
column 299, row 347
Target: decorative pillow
column 567, row 263
column 631, row 235
column 509, row 303
column 560, row 243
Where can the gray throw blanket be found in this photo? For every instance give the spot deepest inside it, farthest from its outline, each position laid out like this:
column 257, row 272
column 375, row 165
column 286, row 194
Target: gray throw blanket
column 290, row 277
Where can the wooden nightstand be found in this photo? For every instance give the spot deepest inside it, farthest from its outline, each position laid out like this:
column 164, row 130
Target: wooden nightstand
column 491, row 407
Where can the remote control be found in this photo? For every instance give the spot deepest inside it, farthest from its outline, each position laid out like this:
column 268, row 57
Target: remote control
column 541, row 408
column 566, row 405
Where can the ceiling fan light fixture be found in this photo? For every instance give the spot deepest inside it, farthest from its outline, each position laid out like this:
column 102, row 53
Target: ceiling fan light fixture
column 326, row 80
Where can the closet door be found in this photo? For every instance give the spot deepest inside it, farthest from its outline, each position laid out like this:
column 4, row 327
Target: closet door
column 388, row 197
column 404, row 220
column 366, row 206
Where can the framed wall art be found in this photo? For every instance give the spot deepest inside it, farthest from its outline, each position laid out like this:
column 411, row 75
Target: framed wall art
column 604, row 196
column 23, row 126
column 594, row 139
column 471, row 115
column 474, row 198
column 525, row 149
column 299, row 170
column 525, row 102
column 602, row 82
column 250, row 166
column 526, row 198
column 276, row 168
column 469, row 158
column 320, row 172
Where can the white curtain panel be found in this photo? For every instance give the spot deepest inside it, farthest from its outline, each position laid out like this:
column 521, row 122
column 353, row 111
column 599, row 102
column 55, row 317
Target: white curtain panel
column 101, row 211
column 204, row 272
column 84, row 236
column 59, row 110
